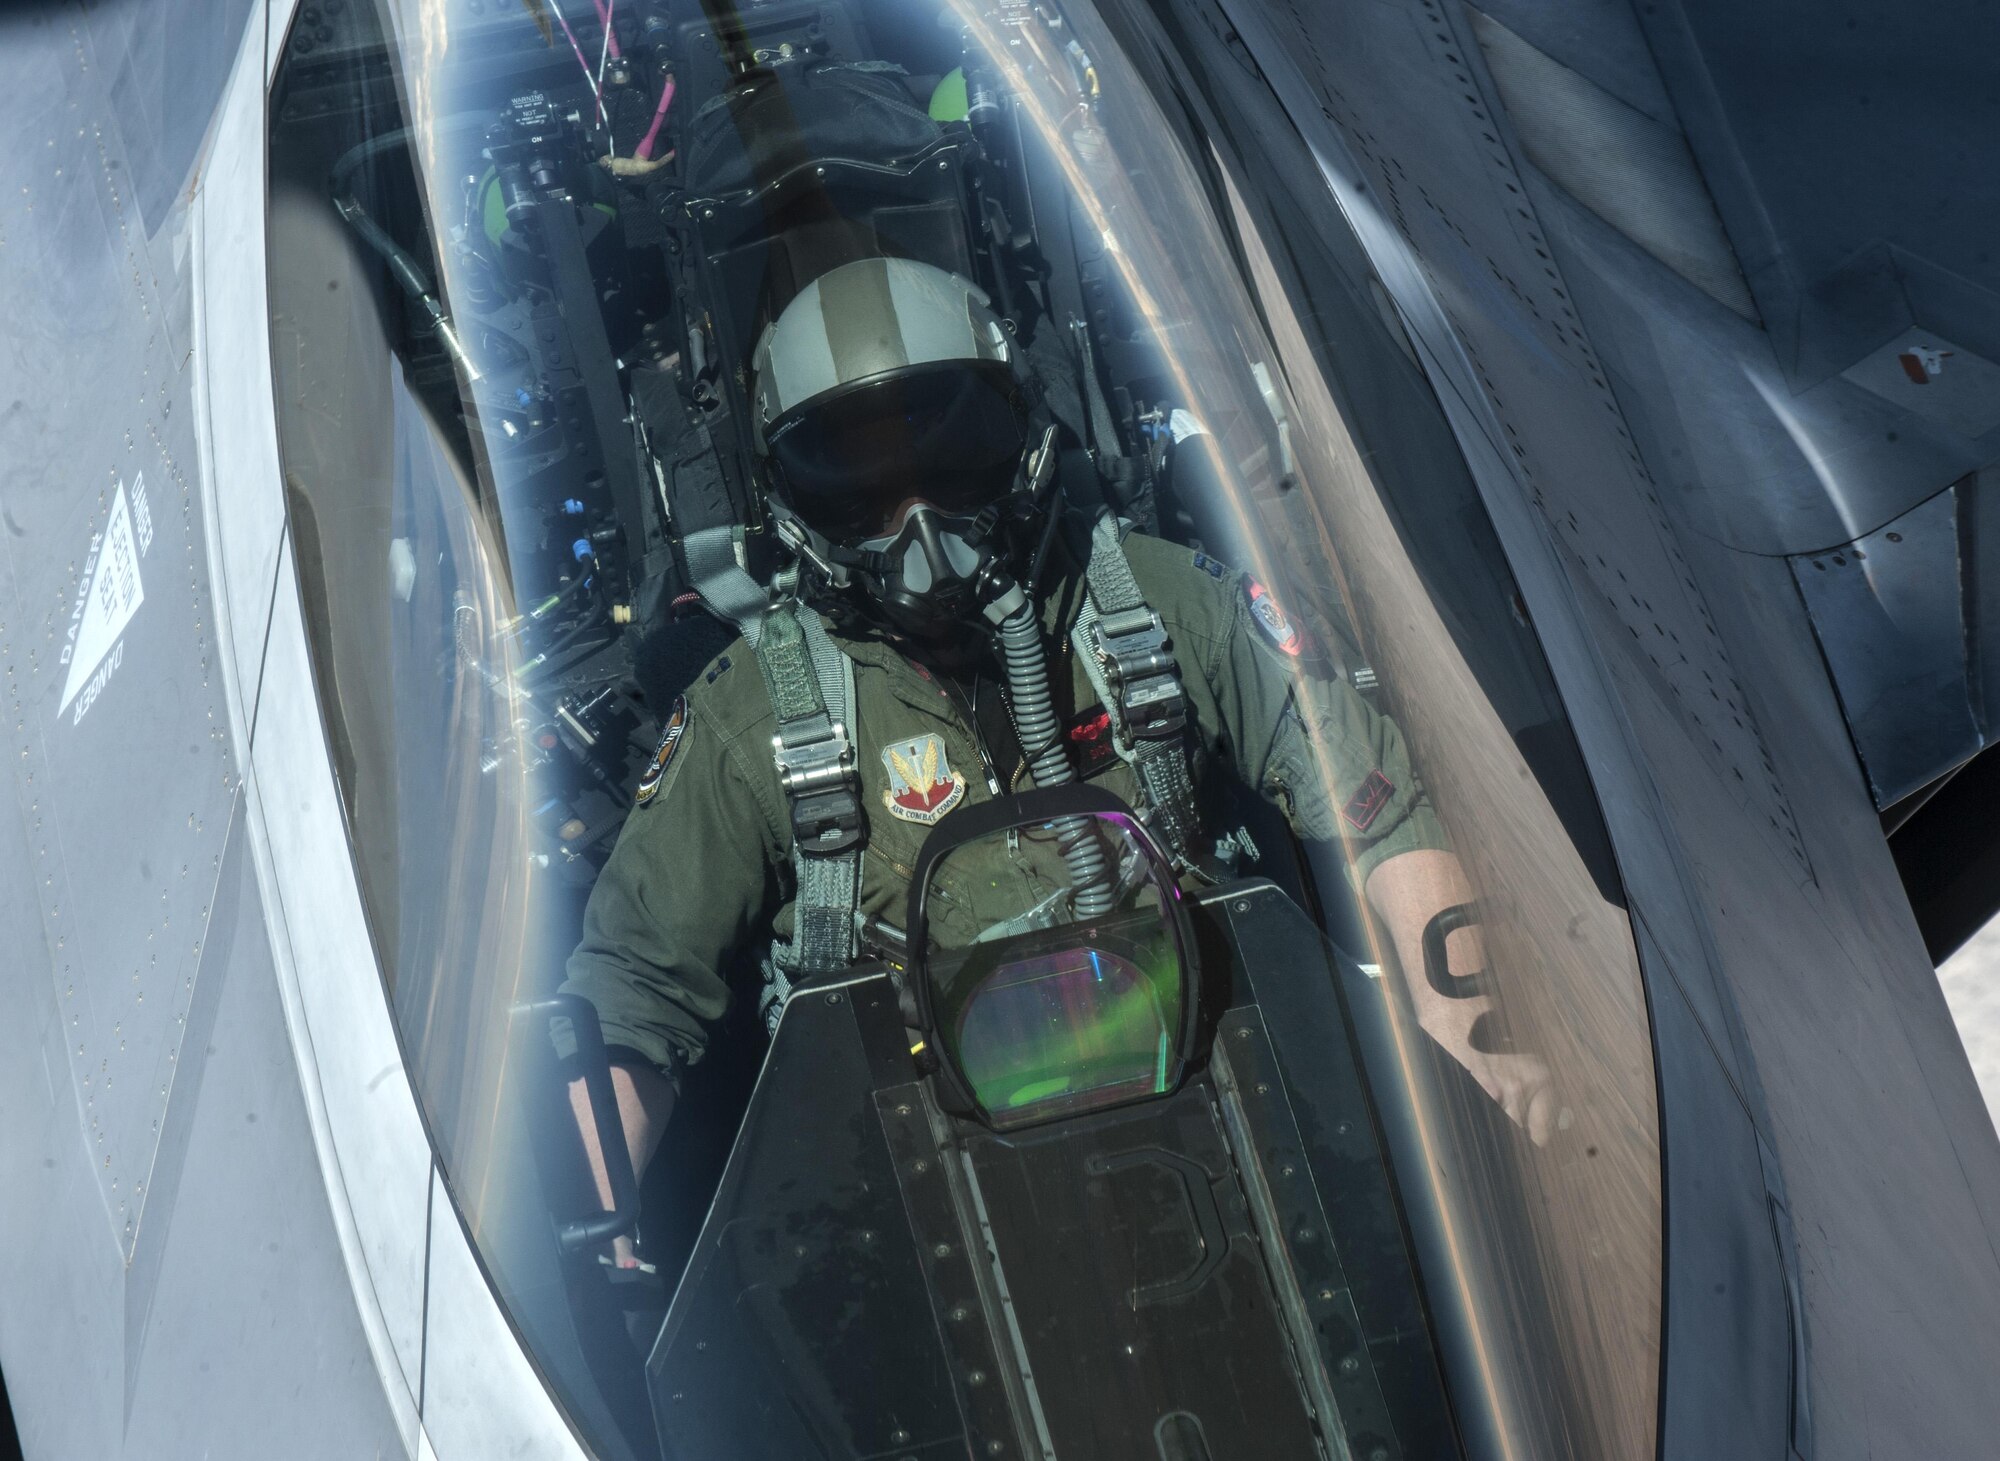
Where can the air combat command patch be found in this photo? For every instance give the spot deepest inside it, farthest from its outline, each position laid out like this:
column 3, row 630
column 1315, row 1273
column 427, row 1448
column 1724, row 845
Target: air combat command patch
column 922, row 785
column 670, row 740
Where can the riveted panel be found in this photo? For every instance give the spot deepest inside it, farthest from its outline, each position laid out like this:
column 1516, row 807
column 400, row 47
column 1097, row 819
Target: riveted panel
column 113, row 710
column 1437, row 159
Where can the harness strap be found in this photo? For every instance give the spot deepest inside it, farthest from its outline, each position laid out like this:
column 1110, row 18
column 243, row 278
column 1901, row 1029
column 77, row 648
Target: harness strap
column 1129, row 661
column 811, row 684
column 704, row 513
column 723, row 583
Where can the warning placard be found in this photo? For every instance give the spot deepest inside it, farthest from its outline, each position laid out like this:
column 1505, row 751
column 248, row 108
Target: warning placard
column 108, row 605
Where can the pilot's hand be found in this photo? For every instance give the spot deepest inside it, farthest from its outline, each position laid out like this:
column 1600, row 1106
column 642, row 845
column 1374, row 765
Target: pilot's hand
column 623, row 1264
column 1517, row 1081
column 1523, row 1087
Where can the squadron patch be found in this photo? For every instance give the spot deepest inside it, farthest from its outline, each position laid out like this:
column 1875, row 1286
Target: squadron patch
column 1366, row 804
column 670, row 740
column 1271, row 619
column 922, row 785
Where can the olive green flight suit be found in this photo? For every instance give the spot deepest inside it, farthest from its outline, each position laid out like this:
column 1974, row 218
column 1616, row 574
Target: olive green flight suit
column 699, row 879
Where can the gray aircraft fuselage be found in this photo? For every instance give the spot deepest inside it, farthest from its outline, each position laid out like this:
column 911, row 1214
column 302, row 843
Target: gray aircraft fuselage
column 1662, row 271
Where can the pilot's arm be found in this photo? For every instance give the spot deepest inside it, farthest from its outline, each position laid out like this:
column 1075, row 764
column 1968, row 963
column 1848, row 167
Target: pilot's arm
column 689, row 886
column 1341, row 772
column 1296, row 733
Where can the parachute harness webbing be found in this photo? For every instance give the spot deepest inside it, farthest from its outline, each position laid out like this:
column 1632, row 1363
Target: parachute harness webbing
column 723, row 583
column 811, row 684
column 1160, row 760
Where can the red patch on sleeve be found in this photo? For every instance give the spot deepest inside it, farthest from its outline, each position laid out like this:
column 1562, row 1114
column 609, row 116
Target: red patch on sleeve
column 1366, row 804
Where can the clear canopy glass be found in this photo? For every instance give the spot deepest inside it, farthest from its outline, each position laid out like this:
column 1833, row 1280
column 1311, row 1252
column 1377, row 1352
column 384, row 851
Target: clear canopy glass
column 521, row 256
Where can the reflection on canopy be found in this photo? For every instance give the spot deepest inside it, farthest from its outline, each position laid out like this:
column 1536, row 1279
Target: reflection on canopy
column 475, row 668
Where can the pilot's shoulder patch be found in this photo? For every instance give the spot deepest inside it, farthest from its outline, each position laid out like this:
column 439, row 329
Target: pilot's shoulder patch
column 1366, row 804
column 1270, row 619
column 671, row 735
column 1210, row 566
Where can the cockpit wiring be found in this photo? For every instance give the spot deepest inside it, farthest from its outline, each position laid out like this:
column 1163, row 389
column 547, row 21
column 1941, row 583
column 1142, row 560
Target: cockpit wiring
column 596, row 90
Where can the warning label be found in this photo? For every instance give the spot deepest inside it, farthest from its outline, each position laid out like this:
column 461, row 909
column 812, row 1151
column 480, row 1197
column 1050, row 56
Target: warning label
column 107, row 606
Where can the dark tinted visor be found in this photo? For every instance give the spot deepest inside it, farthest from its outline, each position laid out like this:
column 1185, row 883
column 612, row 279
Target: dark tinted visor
column 950, row 435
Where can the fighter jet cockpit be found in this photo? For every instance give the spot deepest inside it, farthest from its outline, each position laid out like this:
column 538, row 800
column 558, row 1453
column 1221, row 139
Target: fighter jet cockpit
column 972, row 849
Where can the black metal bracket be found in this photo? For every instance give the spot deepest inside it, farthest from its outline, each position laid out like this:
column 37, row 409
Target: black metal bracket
column 1437, row 965
column 594, row 1062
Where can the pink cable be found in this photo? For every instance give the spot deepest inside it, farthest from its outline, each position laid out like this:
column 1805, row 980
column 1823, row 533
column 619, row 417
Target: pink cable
column 604, row 19
column 645, row 152
column 564, row 23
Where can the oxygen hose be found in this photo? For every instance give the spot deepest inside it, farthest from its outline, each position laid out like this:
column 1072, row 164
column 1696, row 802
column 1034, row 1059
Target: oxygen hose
column 1041, row 741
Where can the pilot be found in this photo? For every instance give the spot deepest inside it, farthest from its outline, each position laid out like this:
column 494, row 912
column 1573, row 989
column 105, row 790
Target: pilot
column 911, row 471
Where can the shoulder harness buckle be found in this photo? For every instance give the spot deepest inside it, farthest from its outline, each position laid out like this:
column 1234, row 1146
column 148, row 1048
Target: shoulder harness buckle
column 817, row 772
column 1135, row 649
